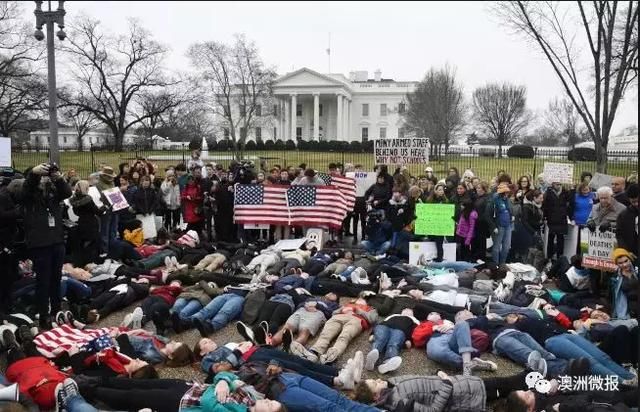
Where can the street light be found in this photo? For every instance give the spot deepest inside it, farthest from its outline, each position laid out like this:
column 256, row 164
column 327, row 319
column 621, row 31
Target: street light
column 49, row 18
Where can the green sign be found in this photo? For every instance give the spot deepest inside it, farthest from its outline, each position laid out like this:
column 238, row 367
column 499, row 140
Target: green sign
column 435, row 219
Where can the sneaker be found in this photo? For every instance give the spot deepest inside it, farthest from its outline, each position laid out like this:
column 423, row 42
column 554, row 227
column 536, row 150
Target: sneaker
column 330, row 356
column 542, row 367
column 10, row 393
column 346, row 378
column 245, row 331
column 634, row 380
column 60, row 318
column 126, row 322
column 265, row 326
column 483, row 365
column 69, row 318
column 65, row 391
column 174, row 262
column 358, row 366
column 61, row 398
column 203, row 327
column 260, row 335
column 167, row 262
column 466, row 369
column 136, row 318
column 372, row 358
column 298, row 349
column 533, row 360
column 287, row 338
column 390, row 365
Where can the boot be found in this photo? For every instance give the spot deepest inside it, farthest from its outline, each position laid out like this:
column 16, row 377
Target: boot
column 10, row 393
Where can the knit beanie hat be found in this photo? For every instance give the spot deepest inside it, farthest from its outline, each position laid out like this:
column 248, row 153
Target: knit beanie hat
column 620, row 252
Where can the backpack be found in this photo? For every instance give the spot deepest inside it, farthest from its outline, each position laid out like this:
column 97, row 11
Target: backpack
column 252, row 305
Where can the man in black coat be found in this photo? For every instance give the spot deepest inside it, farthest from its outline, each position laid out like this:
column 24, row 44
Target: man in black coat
column 9, row 215
column 43, row 191
column 557, row 206
column 627, row 222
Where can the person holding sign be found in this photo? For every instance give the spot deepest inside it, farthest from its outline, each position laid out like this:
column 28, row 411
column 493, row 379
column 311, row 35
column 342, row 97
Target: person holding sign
column 499, row 215
column 624, row 286
column 438, row 196
column 604, row 214
column 88, row 244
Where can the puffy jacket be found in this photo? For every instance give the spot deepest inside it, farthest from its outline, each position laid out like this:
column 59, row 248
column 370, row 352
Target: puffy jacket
column 28, row 372
column 466, row 228
column 556, row 208
column 432, row 394
column 9, row 215
column 171, row 195
column 145, row 201
column 599, row 215
column 192, row 200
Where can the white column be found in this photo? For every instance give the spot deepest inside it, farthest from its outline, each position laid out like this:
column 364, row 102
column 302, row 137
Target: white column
column 294, row 106
column 345, row 118
column 316, row 117
column 339, row 118
column 285, row 117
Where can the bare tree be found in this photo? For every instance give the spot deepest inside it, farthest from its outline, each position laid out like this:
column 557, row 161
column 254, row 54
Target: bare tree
column 18, row 48
column 82, row 121
column 20, row 98
column 562, row 116
column 501, row 110
column 610, row 31
column 153, row 106
column 114, row 73
column 238, row 82
column 436, row 108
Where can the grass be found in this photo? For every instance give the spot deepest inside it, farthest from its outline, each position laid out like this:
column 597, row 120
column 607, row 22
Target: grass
column 485, row 167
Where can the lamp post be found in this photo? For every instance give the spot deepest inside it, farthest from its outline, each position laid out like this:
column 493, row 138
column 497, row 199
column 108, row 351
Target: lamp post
column 49, row 18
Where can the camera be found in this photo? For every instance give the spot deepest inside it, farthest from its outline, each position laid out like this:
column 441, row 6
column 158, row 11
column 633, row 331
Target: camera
column 53, row 168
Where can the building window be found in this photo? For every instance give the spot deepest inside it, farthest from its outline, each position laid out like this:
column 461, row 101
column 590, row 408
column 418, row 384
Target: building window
column 258, row 110
column 320, row 109
column 243, row 110
column 383, row 132
column 258, row 134
column 365, row 134
column 400, row 132
column 275, row 134
column 298, row 110
column 64, row 139
column 275, row 110
column 298, row 133
column 365, row 109
column 383, row 109
column 225, row 132
column 401, row 108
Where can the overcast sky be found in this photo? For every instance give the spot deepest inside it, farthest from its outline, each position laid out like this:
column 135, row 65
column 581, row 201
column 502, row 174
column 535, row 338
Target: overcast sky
column 402, row 39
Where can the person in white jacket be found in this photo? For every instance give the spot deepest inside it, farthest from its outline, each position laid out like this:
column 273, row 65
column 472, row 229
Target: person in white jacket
column 171, row 196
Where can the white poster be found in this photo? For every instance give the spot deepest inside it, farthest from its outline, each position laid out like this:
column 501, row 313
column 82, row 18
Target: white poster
column 290, row 244
column 148, row 225
column 599, row 180
column 364, row 180
column 558, row 172
column 5, row 152
column 570, row 241
column 422, row 252
column 401, row 151
column 598, row 256
column 116, row 199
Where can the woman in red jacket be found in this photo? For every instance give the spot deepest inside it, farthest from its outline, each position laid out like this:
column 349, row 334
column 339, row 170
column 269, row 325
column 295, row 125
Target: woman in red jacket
column 192, row 198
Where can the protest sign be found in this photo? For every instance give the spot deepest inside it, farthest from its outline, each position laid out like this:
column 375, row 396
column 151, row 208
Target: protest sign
column 364, row 180
column 599, row 180
column 598, row 256
column 420, row 253
column 5, row 152
column 558, row 172
column 116, row 199
column 401, row 151
column 435, row 219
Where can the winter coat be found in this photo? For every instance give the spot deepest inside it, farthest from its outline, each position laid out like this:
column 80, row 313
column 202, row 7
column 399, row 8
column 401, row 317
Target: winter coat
column 599, row 215
column 480, row 204
column 556, row 209
column 9, row 215
column 492, row 211
column 627, row 230
column 302, row 256
column 623, row 295
column 200, row 292
column 192, row 200
column 28, row 372
column 38, row 205
column 87, row 212
column 582, row 207
column 381, row 193
column 399, row 213
column 531, row 217
column 171, row 195
column 467, row 228
column 432, row 394
column 168, row 293
column 145, row 201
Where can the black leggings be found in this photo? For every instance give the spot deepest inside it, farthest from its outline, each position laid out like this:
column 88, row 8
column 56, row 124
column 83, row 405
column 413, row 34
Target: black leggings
column 109, row 302
column 171, row 219
column 319, row 372
column 359, row 213
column 275, row 314
column 131, row 272
column 156, row 309
column 556, row 247
column 162, row 395
column 621, row 344
column 501, row 387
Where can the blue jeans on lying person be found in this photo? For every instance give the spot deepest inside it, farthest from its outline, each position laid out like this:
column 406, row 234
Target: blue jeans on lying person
column 457, row 266
column 185, row 308
column 569, row 346
column 503, row 309
column 221, row 310
column 77, row 403
column 301, row 393
column 517, row 345
column 75, row 287
column 388, row 341
column 447, row 348
column 376, row 249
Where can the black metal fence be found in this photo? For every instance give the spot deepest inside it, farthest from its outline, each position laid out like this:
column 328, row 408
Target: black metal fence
column 483, row 161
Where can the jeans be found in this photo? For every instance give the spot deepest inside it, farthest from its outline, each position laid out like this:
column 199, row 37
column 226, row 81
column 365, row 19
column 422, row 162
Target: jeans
column 221, row 310
column 517, row 346
column 155, row 260
column 388, row 341
column 375, row 249
column 503, row 309
column 457, row 266
column 47, row 265
column 108, row 230
column 569, row 346
column 447, row 348
column 186, row 308
column 322, row 373
column 345, row 274
column 301, row 393
column 74, row 287
column 501, row 244
column 78, row 404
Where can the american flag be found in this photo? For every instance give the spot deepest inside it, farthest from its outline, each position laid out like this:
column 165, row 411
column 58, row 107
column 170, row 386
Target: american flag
column 65, row 336
column 346, row 185
column 261, row 204
column 318, row 206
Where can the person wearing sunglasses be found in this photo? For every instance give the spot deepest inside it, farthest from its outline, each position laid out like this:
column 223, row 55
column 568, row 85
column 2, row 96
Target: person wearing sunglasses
column 624, row 286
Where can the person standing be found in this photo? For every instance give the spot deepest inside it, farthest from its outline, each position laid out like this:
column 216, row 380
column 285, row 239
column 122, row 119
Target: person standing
column 192, row 198
column 557, row 207
column 618, row 186
column 499, row 215
column 109, row 220
column 438, row 196
column 171, row 194
column 42, row 193
column 9, row 215
column 627, row 223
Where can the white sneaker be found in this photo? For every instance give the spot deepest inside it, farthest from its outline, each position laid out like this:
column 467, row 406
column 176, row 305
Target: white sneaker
column 346, row 377
column 372, row 358
column 174, row 262
column 298, row 349
column 167, row 262
column 483, row 365
column 136, row 318
column 358, row 366
column 390, row 365
column 126, row 322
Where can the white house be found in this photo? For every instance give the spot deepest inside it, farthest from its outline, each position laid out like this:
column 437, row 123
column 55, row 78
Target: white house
column 68, row 138
column 313, row 106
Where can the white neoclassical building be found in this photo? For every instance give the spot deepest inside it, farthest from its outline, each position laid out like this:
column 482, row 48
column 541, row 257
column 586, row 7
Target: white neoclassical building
column 315, row 106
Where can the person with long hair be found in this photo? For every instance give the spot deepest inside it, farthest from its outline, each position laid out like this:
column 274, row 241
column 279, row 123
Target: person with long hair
column 466, row 230
column 524, row 186
column 438, row 196
column 88, row 246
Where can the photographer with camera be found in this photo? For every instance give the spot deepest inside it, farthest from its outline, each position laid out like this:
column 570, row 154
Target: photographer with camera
column 9, row 215
column 42, row 194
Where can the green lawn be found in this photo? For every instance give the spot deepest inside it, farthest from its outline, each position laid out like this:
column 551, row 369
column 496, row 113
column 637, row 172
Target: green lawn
column 485, row 167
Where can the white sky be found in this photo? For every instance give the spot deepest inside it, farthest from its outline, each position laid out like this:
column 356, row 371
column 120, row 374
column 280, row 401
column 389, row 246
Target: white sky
column 403, row 39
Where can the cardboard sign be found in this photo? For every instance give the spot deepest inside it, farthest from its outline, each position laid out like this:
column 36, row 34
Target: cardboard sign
column 422, row 252
column 599, row 180
column 116, row 199
column 5, row 152
column 558, row 172
column 401, row 151
column 435, row 219
column 290, row 244
column 598, row 256
column 364, row 180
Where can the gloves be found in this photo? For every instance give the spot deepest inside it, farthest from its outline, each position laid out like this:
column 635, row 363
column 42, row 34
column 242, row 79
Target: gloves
column 605, row 226
column 591, row 225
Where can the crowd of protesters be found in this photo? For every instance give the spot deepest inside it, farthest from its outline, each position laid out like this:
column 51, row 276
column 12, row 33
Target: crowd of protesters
column 175, row 258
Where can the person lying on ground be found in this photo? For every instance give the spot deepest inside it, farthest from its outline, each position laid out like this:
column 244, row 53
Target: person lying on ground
column 190, row 301
column 155, row 307
column 389, row 336
column 124, row 293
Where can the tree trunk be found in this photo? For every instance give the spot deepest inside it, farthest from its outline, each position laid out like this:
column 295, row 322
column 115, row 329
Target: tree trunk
column 499, row 150
column 119, row 139
column 601, row 158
